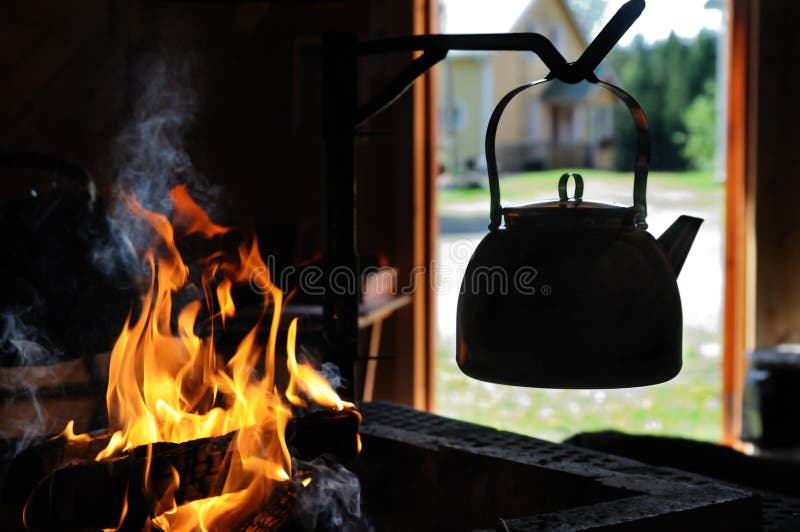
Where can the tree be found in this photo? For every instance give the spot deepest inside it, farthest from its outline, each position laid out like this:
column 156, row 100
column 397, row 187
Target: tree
column 699, row 122
column 666, row 78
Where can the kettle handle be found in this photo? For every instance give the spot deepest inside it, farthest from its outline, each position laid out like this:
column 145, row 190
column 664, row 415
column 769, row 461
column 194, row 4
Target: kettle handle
column 642, row 150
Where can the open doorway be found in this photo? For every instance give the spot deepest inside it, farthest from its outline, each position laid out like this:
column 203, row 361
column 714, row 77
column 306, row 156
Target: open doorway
column 674, row 65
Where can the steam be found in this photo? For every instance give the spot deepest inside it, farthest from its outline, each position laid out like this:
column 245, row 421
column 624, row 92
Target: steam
column 331, row 502
column 30, row 348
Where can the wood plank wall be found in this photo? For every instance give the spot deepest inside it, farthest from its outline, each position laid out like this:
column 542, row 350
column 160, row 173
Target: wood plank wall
column 777, row 172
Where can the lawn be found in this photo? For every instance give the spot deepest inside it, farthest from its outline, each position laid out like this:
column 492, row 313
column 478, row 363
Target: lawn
column 689, row 405
column 526, row 185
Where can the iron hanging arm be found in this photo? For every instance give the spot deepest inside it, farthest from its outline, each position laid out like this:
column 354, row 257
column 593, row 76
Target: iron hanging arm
column 399, row 85
column 599, row 48
column 436, row 47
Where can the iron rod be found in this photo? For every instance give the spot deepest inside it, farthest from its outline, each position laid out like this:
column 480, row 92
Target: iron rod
column 340, row 302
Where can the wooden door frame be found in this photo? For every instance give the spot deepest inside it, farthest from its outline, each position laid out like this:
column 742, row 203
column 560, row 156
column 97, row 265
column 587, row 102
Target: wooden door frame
column 739, row 308
column 426, row 228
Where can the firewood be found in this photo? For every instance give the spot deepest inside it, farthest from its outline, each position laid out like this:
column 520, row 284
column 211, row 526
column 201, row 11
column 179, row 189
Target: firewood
column 324, row 432
column 275, row 513
column 30, row 466
column 88, row 493
column 78, row 492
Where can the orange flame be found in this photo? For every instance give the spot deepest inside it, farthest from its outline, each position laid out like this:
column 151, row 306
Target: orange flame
column 168, row 384
column 69, row 433
column 304, row 380
column 190, row 217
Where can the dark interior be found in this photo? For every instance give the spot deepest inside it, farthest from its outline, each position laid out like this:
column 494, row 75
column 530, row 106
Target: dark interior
column 229, row 97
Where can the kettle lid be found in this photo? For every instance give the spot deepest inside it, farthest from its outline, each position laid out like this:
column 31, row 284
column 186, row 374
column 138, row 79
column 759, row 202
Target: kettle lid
column 576, row 208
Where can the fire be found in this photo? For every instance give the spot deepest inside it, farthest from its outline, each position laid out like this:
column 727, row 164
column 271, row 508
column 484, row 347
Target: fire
column 69, row 433
column 167, row 383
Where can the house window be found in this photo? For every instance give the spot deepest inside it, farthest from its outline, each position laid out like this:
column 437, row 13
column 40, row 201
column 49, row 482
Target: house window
column 453, row 117
column 579, row 125
column 603, row 122
column 563, row 124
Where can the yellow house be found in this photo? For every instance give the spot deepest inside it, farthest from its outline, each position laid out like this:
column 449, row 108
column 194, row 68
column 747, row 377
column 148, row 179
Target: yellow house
column 553, row 126
column 466, row 97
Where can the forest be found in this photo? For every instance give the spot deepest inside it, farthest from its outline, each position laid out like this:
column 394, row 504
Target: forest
column 674, row 80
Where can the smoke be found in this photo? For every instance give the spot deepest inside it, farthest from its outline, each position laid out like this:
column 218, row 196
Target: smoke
column 75, row 306
column 114, row 255
column 330, row 371
column 331, row 501
column 31, row 349
column 150, row 152
column 28, row 345
column 151, row 157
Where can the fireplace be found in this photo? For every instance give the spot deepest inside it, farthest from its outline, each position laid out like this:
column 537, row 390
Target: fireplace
column 418, row 471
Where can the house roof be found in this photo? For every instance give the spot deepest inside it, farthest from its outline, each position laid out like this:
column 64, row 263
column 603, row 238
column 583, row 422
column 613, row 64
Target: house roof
column 570, row 16
column 480, row 16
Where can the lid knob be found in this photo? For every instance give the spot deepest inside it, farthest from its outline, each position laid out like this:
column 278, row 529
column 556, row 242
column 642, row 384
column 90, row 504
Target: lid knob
column 562, row 187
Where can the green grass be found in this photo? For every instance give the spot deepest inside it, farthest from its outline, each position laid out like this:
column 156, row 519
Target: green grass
column 525, row 185
column 688, row 406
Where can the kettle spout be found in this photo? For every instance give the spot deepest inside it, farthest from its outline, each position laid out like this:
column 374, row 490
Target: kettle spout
column 677, row 240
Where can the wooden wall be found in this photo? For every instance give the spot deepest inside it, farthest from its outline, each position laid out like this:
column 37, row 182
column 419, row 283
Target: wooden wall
column 775, row 136
column 69, row 79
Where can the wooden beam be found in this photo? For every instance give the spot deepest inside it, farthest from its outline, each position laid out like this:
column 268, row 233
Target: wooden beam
column 425, row 228
column 738, row 221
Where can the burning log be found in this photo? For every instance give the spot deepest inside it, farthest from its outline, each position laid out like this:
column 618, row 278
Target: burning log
column 276, row 512
column 94, row 493
column 65, row 487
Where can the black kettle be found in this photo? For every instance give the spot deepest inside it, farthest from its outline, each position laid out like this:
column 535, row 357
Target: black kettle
column 573, row 293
